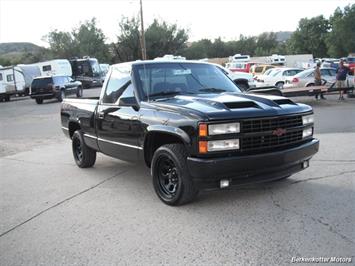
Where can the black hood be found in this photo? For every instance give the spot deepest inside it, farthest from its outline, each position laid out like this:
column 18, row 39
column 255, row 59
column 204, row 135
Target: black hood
column 231, row 105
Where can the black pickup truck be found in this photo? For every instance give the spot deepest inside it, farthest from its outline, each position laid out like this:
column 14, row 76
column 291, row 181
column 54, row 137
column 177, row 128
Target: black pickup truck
column 192, row 126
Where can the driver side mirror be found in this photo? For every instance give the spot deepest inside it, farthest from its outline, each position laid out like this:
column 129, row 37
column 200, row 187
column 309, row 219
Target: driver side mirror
column 129, row 101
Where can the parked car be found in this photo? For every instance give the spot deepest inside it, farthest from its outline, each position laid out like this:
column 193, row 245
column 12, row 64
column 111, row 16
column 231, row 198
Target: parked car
column 192, row 126
column 243, row 80
column 306, row 78
column 239, row 66
column 49, row 87
column 277, row 77
column 350, row 60
column 260, row 69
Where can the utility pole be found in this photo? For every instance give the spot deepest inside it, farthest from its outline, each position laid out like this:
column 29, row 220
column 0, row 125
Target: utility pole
column 144, row 51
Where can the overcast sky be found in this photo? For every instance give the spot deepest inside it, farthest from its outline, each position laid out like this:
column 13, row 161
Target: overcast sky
column 30, row 20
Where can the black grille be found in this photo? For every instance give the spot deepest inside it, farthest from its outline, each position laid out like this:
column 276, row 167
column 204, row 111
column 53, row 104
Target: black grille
column 259, row 125
column 261, row 134
column 270, row 141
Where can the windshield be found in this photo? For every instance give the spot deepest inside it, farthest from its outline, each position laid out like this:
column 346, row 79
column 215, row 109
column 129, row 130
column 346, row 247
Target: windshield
column 96, row 71
column 162, row 80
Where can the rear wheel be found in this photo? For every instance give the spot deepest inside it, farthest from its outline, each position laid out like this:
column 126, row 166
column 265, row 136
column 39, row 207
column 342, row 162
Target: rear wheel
column 280, row 85
column 61, row 95
column 84, row 156
column 39, row 100
column 79, row 92
column 171, row 179
column 7, row 98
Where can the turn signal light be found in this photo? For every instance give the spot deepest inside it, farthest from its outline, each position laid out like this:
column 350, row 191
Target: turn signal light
column 202, row 146
column 202, row 130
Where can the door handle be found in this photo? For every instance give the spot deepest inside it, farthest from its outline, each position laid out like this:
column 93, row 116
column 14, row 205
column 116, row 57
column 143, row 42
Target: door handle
column 101, row 115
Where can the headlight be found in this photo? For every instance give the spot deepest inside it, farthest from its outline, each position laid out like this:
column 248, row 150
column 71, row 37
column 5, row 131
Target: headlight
column 307, row 132
column 218, row 145
column 307, row 119
column 219, row 129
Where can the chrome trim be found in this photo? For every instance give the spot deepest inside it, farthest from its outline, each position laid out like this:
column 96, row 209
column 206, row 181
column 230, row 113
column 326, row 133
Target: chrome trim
column 121, row 144
column 65, row 128
column 114, row 142
column 90, row 136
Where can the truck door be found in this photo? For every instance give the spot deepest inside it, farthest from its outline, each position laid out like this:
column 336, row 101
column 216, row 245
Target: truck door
column 118, row 126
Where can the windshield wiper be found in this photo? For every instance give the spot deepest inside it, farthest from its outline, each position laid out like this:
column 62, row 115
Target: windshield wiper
column 164, row 93
column 212, row 90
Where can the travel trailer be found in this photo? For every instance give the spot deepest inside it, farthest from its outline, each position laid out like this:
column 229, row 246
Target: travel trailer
column 55, row 67
column 29, row 72
column 12, row 82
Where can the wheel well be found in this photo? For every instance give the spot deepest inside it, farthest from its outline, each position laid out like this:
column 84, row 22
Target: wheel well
column 156, row 139
column 73, row 126
column 241, row 81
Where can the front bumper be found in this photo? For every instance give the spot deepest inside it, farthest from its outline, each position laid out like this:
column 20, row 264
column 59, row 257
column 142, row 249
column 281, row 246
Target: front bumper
column 242, row 170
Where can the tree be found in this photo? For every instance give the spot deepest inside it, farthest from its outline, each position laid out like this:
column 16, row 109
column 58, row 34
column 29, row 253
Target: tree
column 61, row 44
column 163, row 38
column 127, row 47
column 89, row 40
column 341, row 39
column 310, row 37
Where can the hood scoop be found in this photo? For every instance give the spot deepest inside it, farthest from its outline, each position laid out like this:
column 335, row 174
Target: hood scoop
column 283, row 101
column 240, row 105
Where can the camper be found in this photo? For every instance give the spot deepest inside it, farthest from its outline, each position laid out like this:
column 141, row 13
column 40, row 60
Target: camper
column 276, row 59
column 239, row 58
column 60, row 67
column 29, row 72
column 87, row 70
column 12, row 82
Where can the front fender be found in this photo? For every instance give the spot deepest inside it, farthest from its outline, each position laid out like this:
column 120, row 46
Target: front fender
column 170, row 130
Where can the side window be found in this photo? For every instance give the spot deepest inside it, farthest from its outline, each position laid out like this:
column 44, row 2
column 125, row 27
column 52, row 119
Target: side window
column 47, row 68
column 128, row 92
column 0, row 76
column 324, row 72
column 10, row 78
column 117, row 84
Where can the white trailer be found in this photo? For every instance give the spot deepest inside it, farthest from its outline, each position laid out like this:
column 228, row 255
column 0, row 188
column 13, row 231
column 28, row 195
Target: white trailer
column 29, row 72
column 60, row 67
column 12, row 82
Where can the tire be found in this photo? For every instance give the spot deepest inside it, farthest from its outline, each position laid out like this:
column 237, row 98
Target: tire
column 79, row 92
column 84, row 156
column 242, row 86
column 7, row 98
column 280, row 85
column 171, row 179
column 61, row 95
column 39, row 100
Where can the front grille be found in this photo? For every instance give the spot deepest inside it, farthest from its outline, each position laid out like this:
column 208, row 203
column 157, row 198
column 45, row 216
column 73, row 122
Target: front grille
column 259, row 125
column 260, row 135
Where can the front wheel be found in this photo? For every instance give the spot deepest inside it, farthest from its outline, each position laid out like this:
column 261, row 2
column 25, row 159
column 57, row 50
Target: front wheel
column 84, row 156
column 171, row 179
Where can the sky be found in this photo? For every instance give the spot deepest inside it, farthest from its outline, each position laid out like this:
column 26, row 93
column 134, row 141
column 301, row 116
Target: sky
column 30, row 20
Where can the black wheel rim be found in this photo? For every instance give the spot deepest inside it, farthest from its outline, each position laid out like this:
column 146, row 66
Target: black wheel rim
column 168, row 177
column 78, row 151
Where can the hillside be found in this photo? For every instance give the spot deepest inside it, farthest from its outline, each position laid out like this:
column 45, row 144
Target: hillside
column 18, row 47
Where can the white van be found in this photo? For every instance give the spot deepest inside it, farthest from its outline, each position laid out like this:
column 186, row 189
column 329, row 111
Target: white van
column 12, row 82
column 60, row 67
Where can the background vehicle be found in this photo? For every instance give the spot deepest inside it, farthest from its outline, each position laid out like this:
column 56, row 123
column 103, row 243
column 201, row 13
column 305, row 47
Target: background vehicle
column 259, row 69
column 55, row 67
column 12, row 82
column 192, row 126
column 239, row 58
column 239, row 66
column 276, row 59
column 49, row 87
column 277, row 77
column 29, row 73
column 87, row 70
column 351, row 63
column 243, row 80
column 306, row 78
